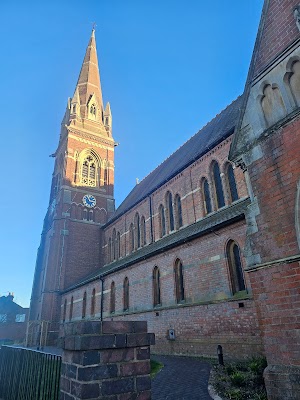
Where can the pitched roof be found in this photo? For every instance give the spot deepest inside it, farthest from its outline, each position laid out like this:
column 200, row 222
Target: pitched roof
column 203, row 141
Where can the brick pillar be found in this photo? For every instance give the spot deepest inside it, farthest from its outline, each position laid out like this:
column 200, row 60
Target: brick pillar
column 107, row 360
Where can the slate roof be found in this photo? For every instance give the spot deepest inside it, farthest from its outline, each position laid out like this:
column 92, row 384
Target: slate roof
column 208, row 137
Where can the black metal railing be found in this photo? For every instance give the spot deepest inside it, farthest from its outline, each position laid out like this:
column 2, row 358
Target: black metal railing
column 28, row 374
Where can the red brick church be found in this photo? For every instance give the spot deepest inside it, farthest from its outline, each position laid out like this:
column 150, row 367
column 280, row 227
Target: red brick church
column 206, row 247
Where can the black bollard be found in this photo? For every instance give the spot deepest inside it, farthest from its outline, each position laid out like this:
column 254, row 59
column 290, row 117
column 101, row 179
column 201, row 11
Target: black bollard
column 220, row 355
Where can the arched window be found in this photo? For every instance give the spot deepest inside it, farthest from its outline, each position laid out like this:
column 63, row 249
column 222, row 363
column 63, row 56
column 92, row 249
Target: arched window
column 156, row 287
column 65, row 310
column 112, row 297
column 109, row 255
column 218, row 186
column 83, row 306
column 179, row 284
column 232, row 184
column 170, row 213
column 131, row 238
column 206, row 197
column 93, row 109
column 88, row 171
column 294, row 81
column 137, row 230
column 105, row 180
column 118, row 246
column 85, row 215
column 235, row 267
column 91, row 216
column 93, row 302
column 162, row 221
column 272, row 104
column 143, row 231
column 71, row 309
column 126, row 294
column 178, row 211
column 114, row 247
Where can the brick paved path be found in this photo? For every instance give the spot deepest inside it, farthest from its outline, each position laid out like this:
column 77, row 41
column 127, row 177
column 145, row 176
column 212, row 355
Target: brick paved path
column 182, row 378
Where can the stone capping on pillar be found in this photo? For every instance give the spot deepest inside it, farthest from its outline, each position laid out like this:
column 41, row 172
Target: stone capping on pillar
column 108, row 360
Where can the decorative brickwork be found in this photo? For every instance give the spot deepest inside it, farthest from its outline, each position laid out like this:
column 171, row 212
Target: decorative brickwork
column 106, row 360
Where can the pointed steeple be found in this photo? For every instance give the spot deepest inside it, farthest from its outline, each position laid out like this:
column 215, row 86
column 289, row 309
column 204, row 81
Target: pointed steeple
column 89, row 78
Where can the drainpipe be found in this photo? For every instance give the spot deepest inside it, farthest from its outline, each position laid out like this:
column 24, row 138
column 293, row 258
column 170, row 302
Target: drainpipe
column 102, row 295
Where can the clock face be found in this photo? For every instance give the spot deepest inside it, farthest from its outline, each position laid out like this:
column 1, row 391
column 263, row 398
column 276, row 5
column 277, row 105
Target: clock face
column 89, row 200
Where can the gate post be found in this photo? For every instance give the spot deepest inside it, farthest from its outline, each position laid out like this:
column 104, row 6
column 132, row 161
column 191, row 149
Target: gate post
column 106, row 360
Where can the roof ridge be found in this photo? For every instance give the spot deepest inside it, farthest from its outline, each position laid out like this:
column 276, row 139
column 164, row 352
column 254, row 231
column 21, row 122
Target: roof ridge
column 216, row 130
column 184, row 143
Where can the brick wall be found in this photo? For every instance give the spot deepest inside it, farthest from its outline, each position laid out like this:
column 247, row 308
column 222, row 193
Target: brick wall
column 279, row 32
column 277, row 290
column 106, row 360
column 212, row 315
column 274, row 179
column 187, row 185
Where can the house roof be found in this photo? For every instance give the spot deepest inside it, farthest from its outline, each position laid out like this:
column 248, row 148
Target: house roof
column 203, row 141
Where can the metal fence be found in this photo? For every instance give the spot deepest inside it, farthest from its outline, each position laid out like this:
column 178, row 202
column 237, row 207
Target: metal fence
column 28, row 374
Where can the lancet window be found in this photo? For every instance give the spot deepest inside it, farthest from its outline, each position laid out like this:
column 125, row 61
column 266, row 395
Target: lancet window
column 235, row 267
column 179, row 283
column 156, row 287
column 126, row 294
column 93, row 302
column 112, row 297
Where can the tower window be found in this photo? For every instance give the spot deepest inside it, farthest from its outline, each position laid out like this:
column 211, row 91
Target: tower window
column 88, row 171
column 93, row 109
column 91, row 216
column 85, row 215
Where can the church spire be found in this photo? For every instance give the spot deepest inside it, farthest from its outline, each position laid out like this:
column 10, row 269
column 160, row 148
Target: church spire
column 86, row 107
column 89, row 77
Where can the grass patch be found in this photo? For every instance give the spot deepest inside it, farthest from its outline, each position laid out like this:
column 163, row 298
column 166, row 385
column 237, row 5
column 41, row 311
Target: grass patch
column 155, row 367
column 241, row 381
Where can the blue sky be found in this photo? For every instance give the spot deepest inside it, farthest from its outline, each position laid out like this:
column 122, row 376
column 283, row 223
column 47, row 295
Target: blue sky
column 167, row 67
